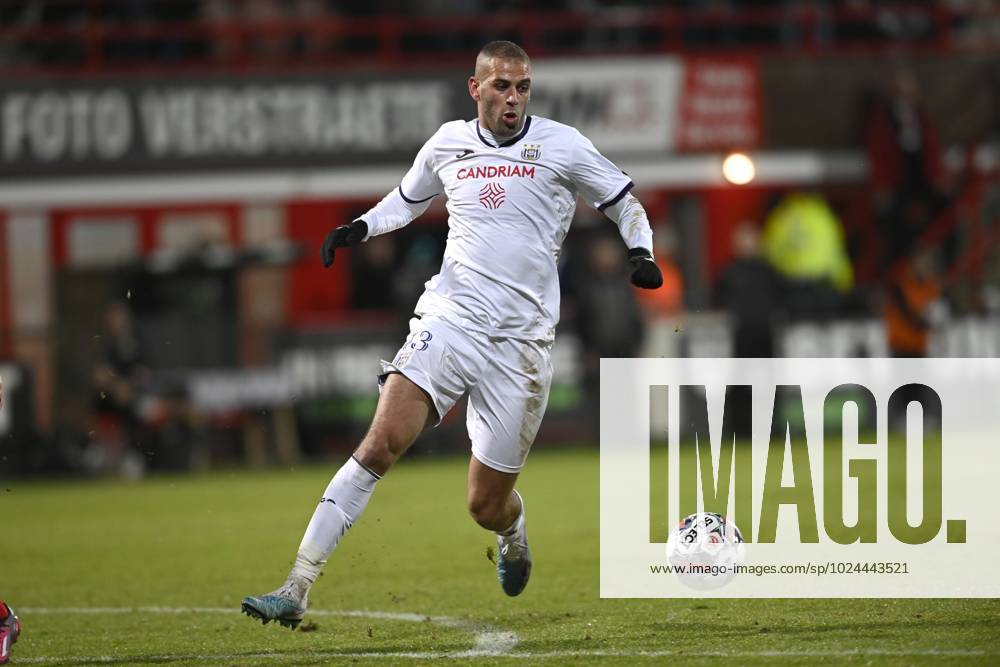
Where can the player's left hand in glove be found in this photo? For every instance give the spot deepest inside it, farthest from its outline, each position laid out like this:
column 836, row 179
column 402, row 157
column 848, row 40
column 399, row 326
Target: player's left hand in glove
column 644, row 271
column 342, row 237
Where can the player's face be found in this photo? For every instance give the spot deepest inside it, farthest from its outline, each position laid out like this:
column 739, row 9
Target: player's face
column 501, row 90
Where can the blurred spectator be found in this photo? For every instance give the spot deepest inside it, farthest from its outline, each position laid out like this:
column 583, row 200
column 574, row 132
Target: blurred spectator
column 247, row 29
column 365, row 8
column 299, row 29
column 669, row 299
column 749, row 291
column 991, row 249
column 978, row 24
column 710, row 23
column 182, row 441
column 118, row 379
column 807, row 22
column 904, row 22
column 877, row 23
column 372, row 274
column 608, row 318
column 421, row 263
column 141, row 14
column 309, row 42
column 265, row 44
column 912, row 307
column 914, row 291
column 854, row 24
column 804, row 242
column 904, row 155
column 72, row 15
column 127, row 47
column 614, row 25
column 452, row 40
column 218, row 16
column 608, row 315
column 17, row 15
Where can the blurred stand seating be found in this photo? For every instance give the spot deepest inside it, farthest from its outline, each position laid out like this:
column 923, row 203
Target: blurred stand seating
column 121, row 35
column 236, row 368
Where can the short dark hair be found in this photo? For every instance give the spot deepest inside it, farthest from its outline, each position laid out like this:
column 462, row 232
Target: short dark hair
column 502, row 49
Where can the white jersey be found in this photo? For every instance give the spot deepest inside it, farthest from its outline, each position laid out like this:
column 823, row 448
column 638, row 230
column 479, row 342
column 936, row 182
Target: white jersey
column 510, row 204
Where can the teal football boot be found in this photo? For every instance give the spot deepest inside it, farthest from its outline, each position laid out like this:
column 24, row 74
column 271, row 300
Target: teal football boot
column 282, row 605
column 514, row 557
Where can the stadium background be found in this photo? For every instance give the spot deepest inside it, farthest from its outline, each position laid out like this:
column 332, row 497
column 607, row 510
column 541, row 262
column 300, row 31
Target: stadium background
column 169, row 168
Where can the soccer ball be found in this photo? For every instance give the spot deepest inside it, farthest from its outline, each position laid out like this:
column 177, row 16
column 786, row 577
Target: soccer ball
column 704, row 550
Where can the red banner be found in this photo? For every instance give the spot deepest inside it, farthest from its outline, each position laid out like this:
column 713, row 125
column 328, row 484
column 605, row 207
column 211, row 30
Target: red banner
column 720, row 104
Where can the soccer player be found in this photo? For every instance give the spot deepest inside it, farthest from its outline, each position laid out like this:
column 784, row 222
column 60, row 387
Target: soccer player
column 485, row 323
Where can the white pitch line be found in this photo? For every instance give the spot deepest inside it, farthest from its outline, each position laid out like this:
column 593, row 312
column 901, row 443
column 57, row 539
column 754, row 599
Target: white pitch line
column 489, row 640
column 847, row 653
column 518, row 655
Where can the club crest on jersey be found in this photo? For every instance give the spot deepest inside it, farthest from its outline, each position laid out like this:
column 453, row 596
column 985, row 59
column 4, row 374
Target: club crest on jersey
column 492, row 195
column 531, row 152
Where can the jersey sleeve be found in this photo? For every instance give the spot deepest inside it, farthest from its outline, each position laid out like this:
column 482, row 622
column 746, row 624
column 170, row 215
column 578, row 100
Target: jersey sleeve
column 597, row 179
column 421, row 182
column 413, row 196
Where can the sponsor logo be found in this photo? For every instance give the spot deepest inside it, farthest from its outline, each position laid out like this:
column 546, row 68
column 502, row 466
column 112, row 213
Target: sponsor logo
column 494, row 171
column 464, row 154
column 492, row 195
column 531, row 152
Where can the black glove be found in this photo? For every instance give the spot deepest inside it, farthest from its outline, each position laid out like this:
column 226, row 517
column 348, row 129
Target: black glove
column 645, row 273
column 341, row 237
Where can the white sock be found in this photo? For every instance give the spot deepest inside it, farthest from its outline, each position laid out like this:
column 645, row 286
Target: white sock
column 518, row 526
column 341, row 505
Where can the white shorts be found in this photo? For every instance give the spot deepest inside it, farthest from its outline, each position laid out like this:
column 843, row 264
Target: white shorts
column 507, row 381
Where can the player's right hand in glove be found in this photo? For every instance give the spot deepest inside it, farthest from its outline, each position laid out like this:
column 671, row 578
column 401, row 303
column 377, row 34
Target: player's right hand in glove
column 342, row 237
column 644, row 271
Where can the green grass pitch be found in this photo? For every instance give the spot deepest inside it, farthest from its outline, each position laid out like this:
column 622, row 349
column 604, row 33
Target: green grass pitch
column 153, row 573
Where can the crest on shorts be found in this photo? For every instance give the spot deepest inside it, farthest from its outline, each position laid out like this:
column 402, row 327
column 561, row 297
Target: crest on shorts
column 531, row 151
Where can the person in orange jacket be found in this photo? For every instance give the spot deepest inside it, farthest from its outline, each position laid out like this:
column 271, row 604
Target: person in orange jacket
column 914, row 291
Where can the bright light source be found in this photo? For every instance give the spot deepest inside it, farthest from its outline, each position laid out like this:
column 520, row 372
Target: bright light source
column 738, row 169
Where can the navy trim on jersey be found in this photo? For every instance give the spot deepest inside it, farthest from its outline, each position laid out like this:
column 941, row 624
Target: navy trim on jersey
column 617, row 198
column 413, row 201
column 509, row 142
column 481, row 137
